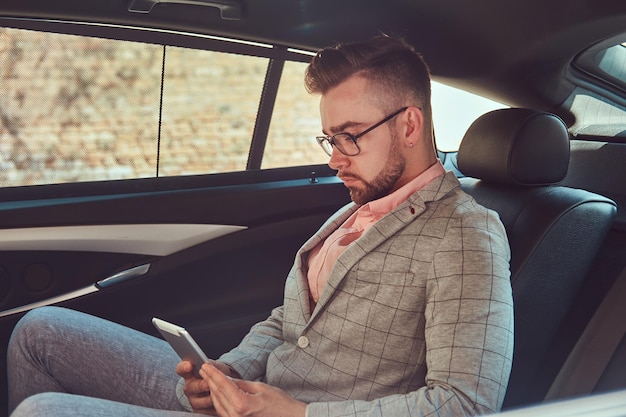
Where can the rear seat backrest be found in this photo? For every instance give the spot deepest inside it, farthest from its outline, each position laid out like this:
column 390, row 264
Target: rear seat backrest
column 511, row 158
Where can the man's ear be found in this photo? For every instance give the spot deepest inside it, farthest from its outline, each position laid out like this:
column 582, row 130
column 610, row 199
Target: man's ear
column 414, row 123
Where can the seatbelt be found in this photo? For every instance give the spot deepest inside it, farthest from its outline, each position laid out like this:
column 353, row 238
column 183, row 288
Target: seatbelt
column 593, row 351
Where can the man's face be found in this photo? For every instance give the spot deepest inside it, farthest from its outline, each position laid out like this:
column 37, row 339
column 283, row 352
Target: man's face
column 375, row 171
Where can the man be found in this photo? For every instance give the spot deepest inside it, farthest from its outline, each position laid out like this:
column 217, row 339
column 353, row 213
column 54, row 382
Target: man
column 399, row 305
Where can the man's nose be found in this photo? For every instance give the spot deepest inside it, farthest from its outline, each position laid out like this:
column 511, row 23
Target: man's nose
column 337, row 159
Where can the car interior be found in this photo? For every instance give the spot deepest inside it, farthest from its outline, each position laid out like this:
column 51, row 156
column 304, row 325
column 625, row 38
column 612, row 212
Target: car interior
column 157, row 159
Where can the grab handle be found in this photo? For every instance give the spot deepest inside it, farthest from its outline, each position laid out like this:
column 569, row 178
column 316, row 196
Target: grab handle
column 229, row 9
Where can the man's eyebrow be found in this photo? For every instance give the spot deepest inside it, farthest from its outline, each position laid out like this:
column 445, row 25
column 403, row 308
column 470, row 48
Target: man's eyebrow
column 342, row 127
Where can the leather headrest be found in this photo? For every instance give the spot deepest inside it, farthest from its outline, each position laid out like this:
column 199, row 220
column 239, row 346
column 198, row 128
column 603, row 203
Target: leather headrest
column 515, row 146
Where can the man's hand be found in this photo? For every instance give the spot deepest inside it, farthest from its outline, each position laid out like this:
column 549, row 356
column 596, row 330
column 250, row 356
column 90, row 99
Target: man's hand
column 236, row 398
column 196, row 389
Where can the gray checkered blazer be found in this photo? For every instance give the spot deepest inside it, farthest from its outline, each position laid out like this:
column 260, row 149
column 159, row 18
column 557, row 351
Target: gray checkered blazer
column 416, row 318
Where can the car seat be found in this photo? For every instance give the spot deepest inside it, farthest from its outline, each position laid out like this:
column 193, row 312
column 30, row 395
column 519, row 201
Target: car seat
column 512, row 160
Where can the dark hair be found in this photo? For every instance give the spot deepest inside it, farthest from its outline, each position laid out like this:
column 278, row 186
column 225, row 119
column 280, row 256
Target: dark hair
column 396, row 73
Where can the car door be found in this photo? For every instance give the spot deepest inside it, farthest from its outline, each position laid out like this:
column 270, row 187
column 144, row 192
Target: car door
column 147, row 173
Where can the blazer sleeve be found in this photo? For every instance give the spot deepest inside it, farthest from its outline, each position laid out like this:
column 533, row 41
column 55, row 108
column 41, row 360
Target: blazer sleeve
column 249, row 359
column 469, row 329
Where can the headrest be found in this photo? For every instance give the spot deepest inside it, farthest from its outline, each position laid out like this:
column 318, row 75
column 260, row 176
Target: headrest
column 515, row 146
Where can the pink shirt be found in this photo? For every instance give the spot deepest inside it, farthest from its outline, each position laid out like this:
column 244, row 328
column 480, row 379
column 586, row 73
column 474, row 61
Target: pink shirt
column 323, row 256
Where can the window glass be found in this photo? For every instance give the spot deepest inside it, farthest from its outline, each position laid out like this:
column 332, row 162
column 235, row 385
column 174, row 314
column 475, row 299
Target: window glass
column 597, row 115
column 597, row 104
column 612, row 61
column 454, row 110
column 76, row 108
column 210, row 102
column 295, row 123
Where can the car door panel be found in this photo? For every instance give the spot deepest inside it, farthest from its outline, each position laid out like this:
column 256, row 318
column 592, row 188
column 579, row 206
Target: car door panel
column 216, row 286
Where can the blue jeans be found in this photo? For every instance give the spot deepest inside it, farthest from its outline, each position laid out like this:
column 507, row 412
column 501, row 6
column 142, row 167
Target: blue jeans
column 65, row 363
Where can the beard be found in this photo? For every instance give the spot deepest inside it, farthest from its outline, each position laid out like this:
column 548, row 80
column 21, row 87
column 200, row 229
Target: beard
column 384, row 182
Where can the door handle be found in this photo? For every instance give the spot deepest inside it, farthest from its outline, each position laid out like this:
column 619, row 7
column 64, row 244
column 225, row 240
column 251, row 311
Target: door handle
column 229, row 9
column 123, row 276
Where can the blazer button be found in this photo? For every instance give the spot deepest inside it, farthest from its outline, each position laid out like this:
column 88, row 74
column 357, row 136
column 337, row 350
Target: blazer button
column 303, row 342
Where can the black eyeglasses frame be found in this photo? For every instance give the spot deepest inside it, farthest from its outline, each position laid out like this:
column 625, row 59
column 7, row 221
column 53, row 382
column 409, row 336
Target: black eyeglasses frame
column 333, row 143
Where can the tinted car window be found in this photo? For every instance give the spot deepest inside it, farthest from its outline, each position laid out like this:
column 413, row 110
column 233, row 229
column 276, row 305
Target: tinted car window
column 295, row 123
column 78, row 108
column 68, row 113
column 454, row 110
column 210, row 102
column 599, row 111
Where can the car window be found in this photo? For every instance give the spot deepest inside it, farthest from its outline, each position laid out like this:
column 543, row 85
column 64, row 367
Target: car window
column 78, row 108
column 600, row 106
column 210, row 102
column 66, row 109
column 613, row 62
column 454, row 110
column 295, row 123
column 606, row 60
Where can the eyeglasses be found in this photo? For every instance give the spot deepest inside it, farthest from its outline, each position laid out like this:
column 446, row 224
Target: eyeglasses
column 346, row 142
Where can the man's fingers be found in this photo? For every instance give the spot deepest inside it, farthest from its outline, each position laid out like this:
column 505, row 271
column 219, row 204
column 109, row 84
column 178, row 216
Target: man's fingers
column 228, row 398
column 184, row 369
column 196, row 388
column 216, row 378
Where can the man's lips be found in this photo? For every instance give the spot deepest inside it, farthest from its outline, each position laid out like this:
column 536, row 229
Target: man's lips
column 347, row 179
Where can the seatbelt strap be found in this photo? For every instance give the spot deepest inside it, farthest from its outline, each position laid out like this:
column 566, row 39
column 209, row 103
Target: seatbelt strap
column 593, row 351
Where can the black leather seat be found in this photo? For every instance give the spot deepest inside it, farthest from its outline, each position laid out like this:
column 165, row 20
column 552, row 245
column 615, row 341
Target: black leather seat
column 512, row 159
